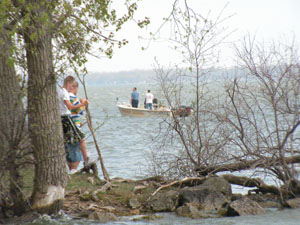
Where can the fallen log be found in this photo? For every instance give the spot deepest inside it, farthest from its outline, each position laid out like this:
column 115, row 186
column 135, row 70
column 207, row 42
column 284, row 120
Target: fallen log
column 265, row 163
column 252, row 182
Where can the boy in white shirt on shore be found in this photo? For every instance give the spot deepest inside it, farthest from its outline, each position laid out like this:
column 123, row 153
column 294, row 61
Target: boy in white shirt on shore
column 72, row 135
column 75, row 115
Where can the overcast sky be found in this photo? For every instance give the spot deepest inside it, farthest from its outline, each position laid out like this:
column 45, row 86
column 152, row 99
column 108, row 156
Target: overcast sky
column 266, row 19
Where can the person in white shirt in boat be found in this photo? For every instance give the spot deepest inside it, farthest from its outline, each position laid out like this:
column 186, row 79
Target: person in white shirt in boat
column 149, row 100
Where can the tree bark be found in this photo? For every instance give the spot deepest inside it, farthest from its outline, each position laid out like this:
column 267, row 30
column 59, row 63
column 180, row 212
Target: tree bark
column 14, row 142
column 45, row 127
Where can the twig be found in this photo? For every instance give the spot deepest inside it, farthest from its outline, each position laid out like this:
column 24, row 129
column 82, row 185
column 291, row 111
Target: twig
column 184, row 180
column 90, row 125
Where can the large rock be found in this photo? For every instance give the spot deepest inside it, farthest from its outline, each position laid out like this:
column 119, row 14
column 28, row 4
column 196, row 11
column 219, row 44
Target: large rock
column 219, row 184
column 134, row 203
column 265, row 200
column 192, row 210
column 164, row 202
column 103, row 216
column 244, row 206
column 214, row 193
column 293, row 203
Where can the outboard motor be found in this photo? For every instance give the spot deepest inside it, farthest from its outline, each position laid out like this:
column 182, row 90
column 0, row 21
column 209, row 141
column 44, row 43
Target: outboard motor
column 184, row 111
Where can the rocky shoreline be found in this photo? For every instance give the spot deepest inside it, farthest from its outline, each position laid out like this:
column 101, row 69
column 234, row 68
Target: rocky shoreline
column 90, row 198
column 212, row 198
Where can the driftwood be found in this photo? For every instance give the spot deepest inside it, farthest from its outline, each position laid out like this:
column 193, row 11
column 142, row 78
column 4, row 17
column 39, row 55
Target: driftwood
column 252, row 182
column 237, row 180
column 291, row 189
column 177, row 182
column 106, row 187
column 245, row 165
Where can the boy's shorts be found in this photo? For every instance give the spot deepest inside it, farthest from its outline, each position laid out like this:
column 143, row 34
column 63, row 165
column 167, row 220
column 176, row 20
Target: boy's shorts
column 71, row 132
column 73, row 153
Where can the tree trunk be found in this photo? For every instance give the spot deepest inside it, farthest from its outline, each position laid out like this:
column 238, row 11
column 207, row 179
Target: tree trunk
column 13, row 138
column 45, row 127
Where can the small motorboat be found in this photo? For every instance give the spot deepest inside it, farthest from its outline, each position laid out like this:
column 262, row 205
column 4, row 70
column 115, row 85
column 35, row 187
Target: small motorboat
column 158, row 111
column 183, row 111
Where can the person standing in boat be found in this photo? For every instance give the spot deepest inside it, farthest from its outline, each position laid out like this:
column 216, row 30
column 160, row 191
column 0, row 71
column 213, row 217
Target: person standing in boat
column 134, row 98
column 149, row 100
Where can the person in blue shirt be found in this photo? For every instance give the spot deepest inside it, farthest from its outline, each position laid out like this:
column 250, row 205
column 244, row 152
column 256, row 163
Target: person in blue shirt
column 134, row 98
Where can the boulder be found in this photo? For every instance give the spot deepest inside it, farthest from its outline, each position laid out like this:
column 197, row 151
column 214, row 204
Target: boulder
column 244, row 206
column 293, row 203
column 219, row 184
column 192, row 210
column 265, row 200
column 103, row 216
column 214, row 193
column 164, row 202
column 134, row 203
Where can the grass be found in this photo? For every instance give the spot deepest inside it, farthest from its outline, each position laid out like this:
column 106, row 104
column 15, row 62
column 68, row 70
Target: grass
column 78, row 181
column 80, row 193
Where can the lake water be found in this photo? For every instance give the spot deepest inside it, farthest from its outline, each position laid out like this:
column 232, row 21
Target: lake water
column 125, row 143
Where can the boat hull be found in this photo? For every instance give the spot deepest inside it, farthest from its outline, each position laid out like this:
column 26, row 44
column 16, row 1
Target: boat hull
column 127, row 110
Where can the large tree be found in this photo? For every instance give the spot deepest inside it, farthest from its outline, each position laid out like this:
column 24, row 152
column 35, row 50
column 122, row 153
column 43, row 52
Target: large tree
column 56, row 36
column 43, row 114
column 15, row 146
